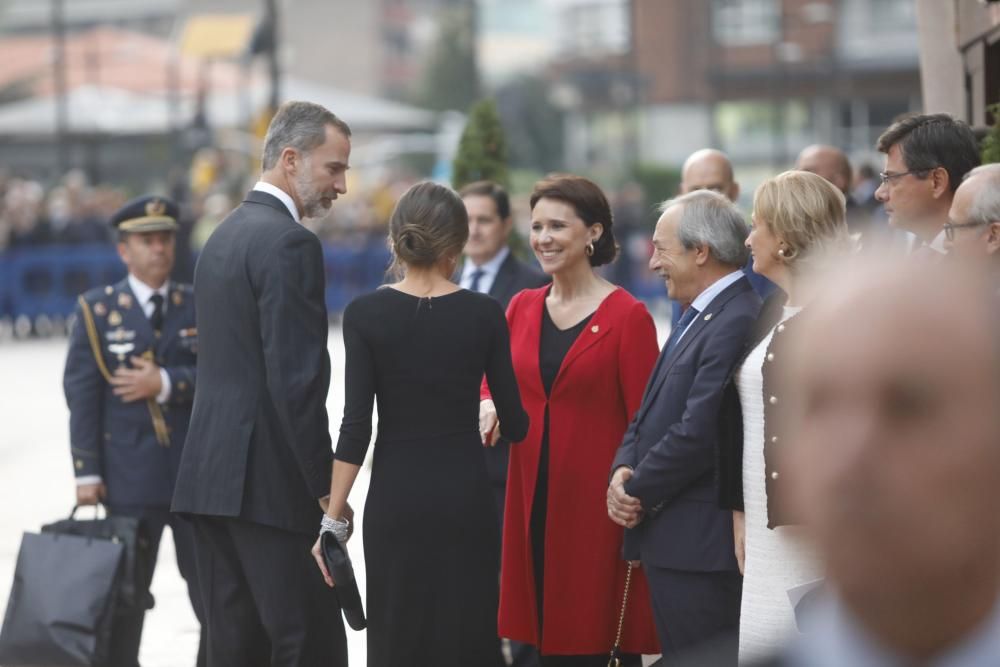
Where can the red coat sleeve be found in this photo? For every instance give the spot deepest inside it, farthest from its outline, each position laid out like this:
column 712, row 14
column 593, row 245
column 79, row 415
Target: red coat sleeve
column 637, row 354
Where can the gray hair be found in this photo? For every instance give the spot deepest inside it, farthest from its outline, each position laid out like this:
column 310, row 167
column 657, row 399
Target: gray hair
column 298, row 125
column 710, row 219
column 985, row 206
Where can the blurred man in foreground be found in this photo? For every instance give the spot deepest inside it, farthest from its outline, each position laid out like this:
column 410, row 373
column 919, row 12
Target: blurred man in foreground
column 895, row 466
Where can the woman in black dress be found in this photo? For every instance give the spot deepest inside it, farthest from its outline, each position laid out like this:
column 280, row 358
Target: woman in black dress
column 421, row 347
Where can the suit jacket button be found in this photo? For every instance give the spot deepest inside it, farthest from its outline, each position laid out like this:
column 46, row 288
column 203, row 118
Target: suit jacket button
column 774, row 439
column 781, row 328
column 773, row 400
column 774, row 475
column 770, row 356
column 79, row 464
column 182, row 385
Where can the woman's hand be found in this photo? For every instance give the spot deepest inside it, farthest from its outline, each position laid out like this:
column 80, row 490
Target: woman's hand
column 740, row 538
column 489, row 424
column 318, row 555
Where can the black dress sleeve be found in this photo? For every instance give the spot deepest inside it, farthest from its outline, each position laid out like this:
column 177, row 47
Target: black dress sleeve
column 502, row 381
column 359, row 393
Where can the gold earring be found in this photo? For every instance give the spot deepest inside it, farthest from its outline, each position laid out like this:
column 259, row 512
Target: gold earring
column 590, row 249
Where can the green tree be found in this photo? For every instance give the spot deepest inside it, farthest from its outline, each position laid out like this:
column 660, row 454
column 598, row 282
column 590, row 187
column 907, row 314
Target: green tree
column 451, row 77
column 991, row 142
column 482, row 150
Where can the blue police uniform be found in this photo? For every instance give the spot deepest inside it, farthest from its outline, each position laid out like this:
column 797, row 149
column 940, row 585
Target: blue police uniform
column 135, row 447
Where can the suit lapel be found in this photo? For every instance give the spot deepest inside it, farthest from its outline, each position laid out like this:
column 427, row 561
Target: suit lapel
column 703, row 321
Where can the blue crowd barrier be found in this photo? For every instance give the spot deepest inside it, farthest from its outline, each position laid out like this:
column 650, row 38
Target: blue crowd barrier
column 45, row 281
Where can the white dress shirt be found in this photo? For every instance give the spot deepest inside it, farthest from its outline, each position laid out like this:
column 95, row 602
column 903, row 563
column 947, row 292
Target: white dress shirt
column 704, row 300
column 283, row 196
column 143, row 293
column 490, row 270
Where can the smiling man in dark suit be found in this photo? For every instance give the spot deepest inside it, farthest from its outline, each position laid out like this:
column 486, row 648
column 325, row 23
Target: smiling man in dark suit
column 662, row 485
column 256, row 467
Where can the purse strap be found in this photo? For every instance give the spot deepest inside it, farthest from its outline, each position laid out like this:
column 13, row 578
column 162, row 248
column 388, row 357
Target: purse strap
column 615, row 660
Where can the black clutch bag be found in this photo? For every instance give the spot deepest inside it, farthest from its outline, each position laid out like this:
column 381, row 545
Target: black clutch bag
column 338, row 564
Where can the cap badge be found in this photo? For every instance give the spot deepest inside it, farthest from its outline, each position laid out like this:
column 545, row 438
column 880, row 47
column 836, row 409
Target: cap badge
column 156, row 208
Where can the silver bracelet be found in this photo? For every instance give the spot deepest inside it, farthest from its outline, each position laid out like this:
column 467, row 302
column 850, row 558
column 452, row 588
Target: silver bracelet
column 339, row 527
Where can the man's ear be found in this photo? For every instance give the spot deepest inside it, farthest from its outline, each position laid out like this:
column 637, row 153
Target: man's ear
column 122, row 247
column 701, row 254
column 289, row 159
column 993, row 238
column 940, row 182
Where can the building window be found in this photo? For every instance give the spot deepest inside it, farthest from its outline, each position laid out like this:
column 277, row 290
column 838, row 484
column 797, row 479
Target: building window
column 746, row 22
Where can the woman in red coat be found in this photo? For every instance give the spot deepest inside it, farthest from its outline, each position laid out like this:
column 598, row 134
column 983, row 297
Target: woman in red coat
column 583, row 350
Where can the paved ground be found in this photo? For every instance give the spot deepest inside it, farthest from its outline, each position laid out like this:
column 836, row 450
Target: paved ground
column 37, row 487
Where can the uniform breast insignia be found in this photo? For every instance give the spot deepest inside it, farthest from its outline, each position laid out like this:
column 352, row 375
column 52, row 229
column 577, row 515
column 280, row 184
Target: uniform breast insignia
column 114, row 318
column 100, row 309
column 188, row 333
column 124, row 301
column 177, row 298
column 121, row 349
column 120, row 335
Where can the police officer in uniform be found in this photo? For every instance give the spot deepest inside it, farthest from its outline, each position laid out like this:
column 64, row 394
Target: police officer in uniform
column 129, row 383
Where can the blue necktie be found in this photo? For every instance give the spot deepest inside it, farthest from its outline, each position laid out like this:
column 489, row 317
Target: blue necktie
column 477, row 275
column 682, row 325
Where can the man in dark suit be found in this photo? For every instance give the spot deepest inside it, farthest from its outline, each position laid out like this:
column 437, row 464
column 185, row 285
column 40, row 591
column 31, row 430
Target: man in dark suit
column 129, row 382
column 926, row 157
column 711, row 169
column 491, row 268
column 662, row 484
column 256, row 469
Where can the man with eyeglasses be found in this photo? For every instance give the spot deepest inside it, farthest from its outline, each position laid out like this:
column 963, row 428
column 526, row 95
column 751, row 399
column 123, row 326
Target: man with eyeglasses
column 973, row 229
column 926, row 157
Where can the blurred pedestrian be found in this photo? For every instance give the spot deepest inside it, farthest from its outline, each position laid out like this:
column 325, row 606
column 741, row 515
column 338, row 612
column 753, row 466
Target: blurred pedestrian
column 256, row 467
column 582, row 349
column 895, row 468
column 129, row 384
column 663, row 486
column 798, row 222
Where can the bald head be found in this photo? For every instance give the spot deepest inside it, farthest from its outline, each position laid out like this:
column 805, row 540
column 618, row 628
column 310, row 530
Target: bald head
column 709, row 169
column 827, row 161
column 896, row 469
column 975, row 216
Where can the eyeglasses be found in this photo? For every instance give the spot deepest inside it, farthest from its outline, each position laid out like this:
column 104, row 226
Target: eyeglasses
column 950, row 227
column 887, row 176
